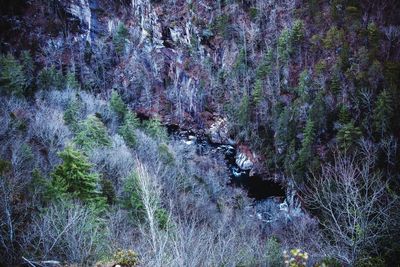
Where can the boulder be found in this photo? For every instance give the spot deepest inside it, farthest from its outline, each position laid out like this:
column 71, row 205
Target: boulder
column 243, row 161
column 218, row 132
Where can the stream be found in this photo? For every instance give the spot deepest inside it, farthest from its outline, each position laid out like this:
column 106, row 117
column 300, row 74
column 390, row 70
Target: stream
column 256, row 187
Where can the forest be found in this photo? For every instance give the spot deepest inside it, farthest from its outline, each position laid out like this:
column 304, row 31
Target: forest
column 200, row 133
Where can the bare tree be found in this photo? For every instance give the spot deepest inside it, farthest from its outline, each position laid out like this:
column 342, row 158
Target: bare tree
column 67, row 231
column 353, row 204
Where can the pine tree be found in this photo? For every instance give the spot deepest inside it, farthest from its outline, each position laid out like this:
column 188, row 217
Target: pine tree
column 155, row 129
column 348, row 135
column 318, row 112
column 284, row 45
column 127, row 130
column 344, row 114
column 284, row 130
column 289, row 162
column 373, row 39
column 265, row 68
column 108, row 191
column 50, row 78
column 92, row 133
column 305, row 86
column 120, row 38
column 12, row 76
column 131, row 197
column 244, row 111
column 73, row 178
column 70, row 81
column 117, row 104
column 71, row 114
column 297, row 34
column 306, row 152
column 258, row 92
column 383, row 113
column 27, row 66
column 334, row 85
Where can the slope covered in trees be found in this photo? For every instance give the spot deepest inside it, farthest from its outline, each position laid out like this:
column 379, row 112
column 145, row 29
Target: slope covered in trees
column 308, row 92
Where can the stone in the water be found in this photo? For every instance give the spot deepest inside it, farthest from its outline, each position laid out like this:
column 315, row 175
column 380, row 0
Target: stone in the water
column 218, row 132
column 244, row 162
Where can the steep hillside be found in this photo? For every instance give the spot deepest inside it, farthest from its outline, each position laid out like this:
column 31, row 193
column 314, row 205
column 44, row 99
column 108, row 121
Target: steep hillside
column 305, row 92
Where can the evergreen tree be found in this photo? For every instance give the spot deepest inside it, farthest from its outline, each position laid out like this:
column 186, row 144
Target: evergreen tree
column 155, row 129
column 258, row 92
column 344, row 114
column 120, row 38
column 305, row 156
column 348, row 135
column 107, row 190
column 265, row 68
column 12, row 76
column 284, row 130
column 27, row 66
column 297, row 34
column 284, row 47
column 243, row 113
column 335, row 83
column 131, row 197
column 73, row 178
column 50, row 78
column 127, row 130
column 117, row 104
column 373, row 39
column 92, row 133
column 318, row 112
column 383, row 113
column 70, row 81
column 305, row 86
column 71, row 114
column 290, row 158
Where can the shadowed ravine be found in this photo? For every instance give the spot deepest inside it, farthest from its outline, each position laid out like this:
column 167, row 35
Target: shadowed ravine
column 257, row 186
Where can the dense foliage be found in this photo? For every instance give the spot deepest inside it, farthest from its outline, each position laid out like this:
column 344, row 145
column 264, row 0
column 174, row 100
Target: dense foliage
column 89, row 174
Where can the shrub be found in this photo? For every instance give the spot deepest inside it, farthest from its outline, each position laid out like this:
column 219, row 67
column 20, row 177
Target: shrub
column 126, row 258
column 274, row 254
column 69, row 232
column 296, row 258
column 12, row 76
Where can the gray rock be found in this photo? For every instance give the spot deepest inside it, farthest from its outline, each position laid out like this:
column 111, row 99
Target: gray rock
column 244, row 162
